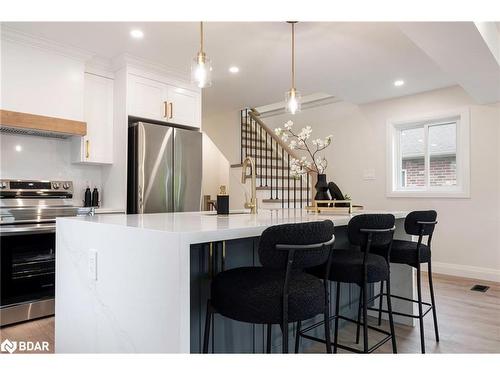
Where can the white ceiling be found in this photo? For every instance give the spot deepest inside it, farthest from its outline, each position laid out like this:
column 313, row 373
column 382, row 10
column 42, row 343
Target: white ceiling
column 357, row 62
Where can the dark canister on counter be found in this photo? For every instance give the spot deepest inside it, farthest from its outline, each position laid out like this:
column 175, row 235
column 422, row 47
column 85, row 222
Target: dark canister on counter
column 222, row 201
column 87, row 200
column 95, row 198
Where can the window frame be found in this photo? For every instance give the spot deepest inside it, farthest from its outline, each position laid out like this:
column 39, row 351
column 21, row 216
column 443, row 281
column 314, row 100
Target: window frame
column 462, row 190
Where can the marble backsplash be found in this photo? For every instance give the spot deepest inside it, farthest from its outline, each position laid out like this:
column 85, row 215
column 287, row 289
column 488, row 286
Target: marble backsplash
column 39, row 158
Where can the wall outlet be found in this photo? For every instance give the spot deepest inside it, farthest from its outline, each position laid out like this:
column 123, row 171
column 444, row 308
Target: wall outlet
column 93, row 264
column 369, row 174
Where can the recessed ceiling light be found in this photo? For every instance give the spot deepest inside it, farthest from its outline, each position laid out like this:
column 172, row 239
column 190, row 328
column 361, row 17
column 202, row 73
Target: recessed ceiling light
column 19, row 148
column 399, row 82
column 136, row 34
column 234, row 69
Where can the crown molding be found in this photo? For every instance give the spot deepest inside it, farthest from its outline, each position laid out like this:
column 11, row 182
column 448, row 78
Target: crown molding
column 127, row 60
column 308, row 101
column 15, row 36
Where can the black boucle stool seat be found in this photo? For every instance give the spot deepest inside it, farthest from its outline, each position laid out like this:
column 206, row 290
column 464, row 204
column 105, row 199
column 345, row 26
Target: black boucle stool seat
column 254, row 295
column 421, row 224
column 405, row 252
column 279, row 292
column 358, row 265
column 347, row 267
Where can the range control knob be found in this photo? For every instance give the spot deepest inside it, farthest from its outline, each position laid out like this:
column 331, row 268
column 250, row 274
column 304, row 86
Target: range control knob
column 3, row 185
column 66, row 186
column 55, row 185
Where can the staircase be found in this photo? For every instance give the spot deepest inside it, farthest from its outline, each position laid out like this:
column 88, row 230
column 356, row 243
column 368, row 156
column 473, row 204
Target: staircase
column 276, row 188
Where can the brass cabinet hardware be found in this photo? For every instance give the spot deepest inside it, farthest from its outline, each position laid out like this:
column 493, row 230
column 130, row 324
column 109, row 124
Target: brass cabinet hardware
column 87, row 149
column 171, row 106
column 165, row 109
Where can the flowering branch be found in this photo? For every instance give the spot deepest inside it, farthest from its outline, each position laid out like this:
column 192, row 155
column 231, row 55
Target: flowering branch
column 299, row 142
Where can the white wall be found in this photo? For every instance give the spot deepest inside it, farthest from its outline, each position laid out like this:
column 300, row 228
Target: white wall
column 224, row 130
column 467, row 239
column 215, row 168
column 46, row 159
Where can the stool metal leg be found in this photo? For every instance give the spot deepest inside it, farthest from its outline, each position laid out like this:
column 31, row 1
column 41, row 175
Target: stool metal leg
column 297, row 337
column 380, row 302
column 328, row 340
column 420, row 314
column 433, row 301
column 391, row 320
column 359, row 314
column 284, row 333
column 365, row 316
column 206, row 335
column 337, row 310
column 268, row 341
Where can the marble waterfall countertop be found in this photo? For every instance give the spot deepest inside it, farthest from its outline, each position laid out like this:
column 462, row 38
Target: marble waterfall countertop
column 128, row 283
column 201, row 226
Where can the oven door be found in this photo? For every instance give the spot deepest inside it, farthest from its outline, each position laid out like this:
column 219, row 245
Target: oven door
column 27, row 263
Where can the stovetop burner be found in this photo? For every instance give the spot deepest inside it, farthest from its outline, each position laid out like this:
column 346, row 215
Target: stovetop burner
column 35, row 201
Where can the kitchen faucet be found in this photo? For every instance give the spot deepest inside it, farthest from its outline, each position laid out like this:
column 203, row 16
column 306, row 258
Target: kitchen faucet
column 252, row 205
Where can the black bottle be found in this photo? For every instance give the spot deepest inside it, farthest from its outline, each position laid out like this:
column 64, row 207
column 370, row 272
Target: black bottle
column 87, row 202
column 95, row 198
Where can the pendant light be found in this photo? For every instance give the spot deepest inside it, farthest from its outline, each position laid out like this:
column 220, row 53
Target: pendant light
column 293, row 97
column 201, row 66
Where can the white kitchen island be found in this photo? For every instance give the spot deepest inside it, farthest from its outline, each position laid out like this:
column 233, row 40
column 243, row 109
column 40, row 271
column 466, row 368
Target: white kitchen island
column 124, row 283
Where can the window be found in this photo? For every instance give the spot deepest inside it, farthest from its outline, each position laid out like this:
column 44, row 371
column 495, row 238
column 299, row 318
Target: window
column 429, row 157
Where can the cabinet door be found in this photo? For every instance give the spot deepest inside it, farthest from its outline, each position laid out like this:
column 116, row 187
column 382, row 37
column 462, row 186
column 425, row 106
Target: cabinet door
column 97, row 145
column 41, row 82
column 185, row 106
column 147, row 98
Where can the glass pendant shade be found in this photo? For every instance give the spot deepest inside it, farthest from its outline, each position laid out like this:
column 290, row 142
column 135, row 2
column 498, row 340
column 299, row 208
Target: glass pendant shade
column 201, row 70
column 293, row 100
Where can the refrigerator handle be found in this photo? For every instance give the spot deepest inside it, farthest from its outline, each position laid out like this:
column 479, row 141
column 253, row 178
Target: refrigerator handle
column 142, row 160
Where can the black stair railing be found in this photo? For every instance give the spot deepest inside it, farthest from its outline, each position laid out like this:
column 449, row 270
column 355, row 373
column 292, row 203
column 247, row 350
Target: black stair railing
column 272, row 159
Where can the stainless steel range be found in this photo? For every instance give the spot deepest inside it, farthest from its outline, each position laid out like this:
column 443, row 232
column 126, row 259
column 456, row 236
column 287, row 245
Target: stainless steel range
column 28, row 211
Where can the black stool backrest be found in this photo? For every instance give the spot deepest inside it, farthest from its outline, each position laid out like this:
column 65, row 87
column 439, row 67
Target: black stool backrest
column 414, row 219
column 295, row 234
column 360, row 223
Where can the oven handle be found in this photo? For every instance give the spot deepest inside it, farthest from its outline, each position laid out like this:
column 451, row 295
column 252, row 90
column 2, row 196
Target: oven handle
column 28, row 229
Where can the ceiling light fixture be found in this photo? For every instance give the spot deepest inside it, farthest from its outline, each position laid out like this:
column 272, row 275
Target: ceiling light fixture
column 136, row 34
column 293, row 97
column 399, row 82
column 234, row 69
column 201, row 66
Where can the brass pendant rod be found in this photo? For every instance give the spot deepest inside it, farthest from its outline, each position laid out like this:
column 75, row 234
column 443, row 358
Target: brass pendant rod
column 201, row 37
column 293, row 55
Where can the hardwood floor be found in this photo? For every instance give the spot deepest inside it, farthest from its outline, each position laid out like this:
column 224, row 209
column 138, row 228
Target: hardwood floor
column 469, row 322
column 35, row 330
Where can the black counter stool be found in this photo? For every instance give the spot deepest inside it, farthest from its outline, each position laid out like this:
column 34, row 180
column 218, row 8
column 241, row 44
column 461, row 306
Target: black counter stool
column 280, row 292
column 421, row 224
column 363, row 268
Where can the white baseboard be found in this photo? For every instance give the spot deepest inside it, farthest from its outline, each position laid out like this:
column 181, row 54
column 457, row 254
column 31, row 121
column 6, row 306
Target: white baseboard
column 471, row 272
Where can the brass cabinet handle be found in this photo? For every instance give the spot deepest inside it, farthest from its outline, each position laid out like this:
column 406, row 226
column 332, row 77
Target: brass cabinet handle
column 165, row 109
column 171, row 106
column 87, row 149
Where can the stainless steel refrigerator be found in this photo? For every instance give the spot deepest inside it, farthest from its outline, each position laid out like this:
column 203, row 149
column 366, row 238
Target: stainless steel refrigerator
column 164, row 169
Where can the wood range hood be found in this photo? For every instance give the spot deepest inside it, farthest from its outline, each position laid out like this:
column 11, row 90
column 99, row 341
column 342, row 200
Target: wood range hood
column 44, row 126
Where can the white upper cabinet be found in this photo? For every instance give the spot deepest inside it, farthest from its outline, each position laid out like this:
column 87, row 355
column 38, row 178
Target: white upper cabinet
column 156, row 100
column 97, row 145
column 41, row 82
column 147, row 98
column 184, row 106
